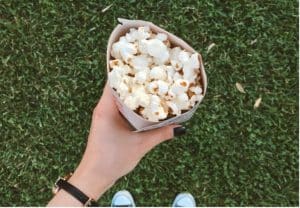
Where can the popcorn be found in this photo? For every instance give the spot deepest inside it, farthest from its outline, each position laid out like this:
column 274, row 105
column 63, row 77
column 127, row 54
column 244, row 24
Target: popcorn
column 155, row 110
column 182, row 101
column 142, row 46
column 170, row 95
column 180, row 86
column 177, row 76
column 138, row 89
column 131, row 102
column 163, row 87
column 173, row 107
column 189, row 68
column 195, row 98
column 142, row 75
column 197, row 90
column 174, row 53
column 183, row 56
column 115, row 78
column 139, row 34
column 158, row 72
column 191, row 77
column 140, row 95
column 143, row 33
column 176, row 64
column 127, row 69
column 121, row 70
column 123, row 90
column 161, row 36
column 123, row 49
column 155, row 102
column 158, row 50
column 158, row 61
column 152, row 87
column 193, row 62
column 170, row 74
column 151, row 78
column 147, row 113
column 116, row 63
column 167, row 43
column 128, row 80
column 130, row 37
column 140, row 61
column 144, row 100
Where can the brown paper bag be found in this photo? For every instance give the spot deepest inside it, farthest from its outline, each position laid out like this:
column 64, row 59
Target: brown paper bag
column 137, row 121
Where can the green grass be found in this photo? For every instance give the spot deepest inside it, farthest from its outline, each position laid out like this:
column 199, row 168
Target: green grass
column 52, row 71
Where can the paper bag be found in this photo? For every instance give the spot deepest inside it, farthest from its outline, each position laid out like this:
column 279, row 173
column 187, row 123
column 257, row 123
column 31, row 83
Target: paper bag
column 137, row 121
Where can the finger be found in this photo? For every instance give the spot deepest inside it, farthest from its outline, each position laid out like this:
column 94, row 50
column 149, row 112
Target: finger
column 107, row 97
column 107, row 102
column 154, row 137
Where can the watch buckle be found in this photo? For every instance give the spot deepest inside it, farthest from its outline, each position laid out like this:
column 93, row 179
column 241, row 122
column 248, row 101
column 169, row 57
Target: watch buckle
column 55, row 188
column 88, row 202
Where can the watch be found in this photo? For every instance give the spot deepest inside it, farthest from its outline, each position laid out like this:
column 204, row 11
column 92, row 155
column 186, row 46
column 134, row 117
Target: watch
column 62, row 183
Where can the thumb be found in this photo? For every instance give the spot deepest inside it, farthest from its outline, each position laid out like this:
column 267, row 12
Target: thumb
column 154, row 137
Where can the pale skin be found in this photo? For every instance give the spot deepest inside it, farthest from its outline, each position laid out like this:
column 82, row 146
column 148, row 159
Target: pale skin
column 112, row 151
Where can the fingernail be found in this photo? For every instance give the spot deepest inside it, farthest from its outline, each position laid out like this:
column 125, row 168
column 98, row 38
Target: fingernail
column 178, row 131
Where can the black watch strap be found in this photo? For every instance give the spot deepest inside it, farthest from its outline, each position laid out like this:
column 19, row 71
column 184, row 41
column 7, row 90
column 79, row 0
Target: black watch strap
column 76, row 193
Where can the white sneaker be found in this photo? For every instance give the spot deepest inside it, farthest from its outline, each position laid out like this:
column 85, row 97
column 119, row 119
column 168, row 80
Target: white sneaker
column 184, row 200
column 122, row 199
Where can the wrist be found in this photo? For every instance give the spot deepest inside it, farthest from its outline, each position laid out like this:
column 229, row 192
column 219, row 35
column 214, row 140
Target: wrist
column 90, row 181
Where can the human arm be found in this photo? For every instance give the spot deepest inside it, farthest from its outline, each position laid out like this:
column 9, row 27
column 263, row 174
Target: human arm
column 112, row 151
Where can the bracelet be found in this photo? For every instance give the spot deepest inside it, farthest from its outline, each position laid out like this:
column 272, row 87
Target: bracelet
column 62, row 183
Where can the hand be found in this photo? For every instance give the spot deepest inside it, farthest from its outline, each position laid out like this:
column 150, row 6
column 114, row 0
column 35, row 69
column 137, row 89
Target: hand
column 113, row 149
